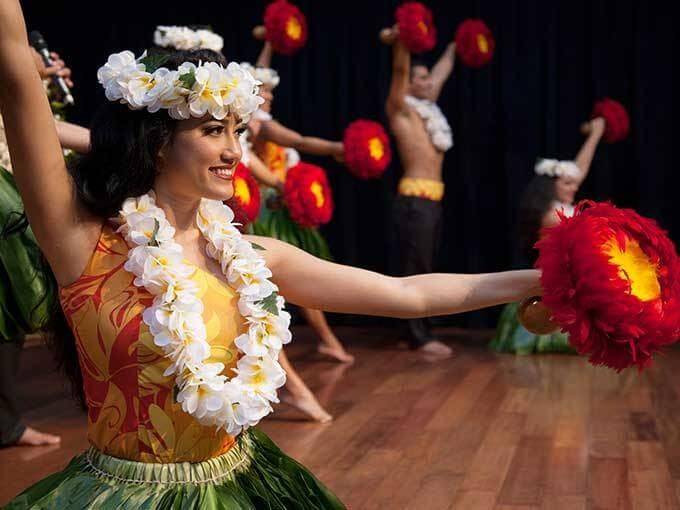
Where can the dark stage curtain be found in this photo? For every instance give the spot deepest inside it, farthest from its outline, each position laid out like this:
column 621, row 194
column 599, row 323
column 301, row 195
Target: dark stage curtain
column 553, row 59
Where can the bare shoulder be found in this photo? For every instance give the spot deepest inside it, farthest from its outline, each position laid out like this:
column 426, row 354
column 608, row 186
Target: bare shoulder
column 271, row 249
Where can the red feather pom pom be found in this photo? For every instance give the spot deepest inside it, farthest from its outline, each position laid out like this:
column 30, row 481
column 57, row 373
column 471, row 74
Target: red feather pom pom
column 616, row 117
column 612, row 281
column 416, row 27
column 246, row 201
column 474, row 43
column 367, row 149
column 308, row 195
column 286, row 27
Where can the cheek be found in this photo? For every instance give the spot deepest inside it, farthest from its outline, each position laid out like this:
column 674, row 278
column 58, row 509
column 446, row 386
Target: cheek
column 189, row 156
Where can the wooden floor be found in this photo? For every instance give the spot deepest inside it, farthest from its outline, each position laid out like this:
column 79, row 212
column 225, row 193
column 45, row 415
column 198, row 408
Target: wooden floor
column 479, row 432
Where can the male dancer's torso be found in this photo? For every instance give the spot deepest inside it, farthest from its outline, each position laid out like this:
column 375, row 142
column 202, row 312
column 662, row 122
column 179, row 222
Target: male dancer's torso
column 419, row 157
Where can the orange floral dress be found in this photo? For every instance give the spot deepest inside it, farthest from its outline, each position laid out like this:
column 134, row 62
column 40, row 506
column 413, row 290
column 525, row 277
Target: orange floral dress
column 132, row 413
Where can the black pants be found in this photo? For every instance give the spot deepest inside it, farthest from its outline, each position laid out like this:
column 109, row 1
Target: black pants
column 417, row 229
column 11, row 427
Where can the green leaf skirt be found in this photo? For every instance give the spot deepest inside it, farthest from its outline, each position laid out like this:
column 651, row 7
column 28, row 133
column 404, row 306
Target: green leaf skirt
column 512, row 337
column 26, row 293
column 274, row 221
column 254, row 474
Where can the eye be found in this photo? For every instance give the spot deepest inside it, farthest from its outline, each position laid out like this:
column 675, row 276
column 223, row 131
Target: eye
column 240, row 130
column 214, row 130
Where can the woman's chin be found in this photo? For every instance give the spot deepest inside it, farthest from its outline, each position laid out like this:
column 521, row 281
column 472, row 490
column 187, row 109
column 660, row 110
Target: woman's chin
column 223, row 191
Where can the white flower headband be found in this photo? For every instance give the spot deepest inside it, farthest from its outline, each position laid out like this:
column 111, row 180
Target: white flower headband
column 190, row 91
column 266, row 75
column 556, row 168
column 184, row 38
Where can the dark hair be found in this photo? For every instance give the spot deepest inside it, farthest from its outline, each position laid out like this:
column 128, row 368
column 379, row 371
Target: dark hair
column 536, row 200
column 417, row 62
column 121, row 164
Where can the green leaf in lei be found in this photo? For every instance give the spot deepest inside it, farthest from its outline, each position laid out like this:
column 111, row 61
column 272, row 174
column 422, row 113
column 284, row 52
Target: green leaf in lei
column 153, row 61
column 269, row 303
column 188, row 79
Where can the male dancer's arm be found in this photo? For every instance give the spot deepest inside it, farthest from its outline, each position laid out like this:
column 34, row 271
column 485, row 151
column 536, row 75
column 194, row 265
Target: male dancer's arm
column 401, row 69
column 442, row 70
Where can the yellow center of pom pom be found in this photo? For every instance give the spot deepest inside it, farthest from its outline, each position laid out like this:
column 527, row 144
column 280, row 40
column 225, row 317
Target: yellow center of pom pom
column 422, row 26
column 317, row 191
column 293, row 28
column 242, row 191
column 376, row 148
column 482, row 43
column 635, row 267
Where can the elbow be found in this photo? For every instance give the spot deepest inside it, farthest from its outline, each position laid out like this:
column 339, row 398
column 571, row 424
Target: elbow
column 415, row 303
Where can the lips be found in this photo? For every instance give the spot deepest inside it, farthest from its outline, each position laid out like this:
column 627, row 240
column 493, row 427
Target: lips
column 223, row 172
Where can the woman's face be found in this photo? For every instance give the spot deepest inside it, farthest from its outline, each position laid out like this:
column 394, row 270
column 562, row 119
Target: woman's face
column 565, row 189
column 201, row 158
column 266, row 93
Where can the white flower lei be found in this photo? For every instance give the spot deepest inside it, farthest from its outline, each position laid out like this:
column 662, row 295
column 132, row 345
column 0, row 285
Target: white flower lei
column 436, row 124
column 175, row 317
column 266, row 75
column 556, row 168
column 184, row 38
column 189, row 91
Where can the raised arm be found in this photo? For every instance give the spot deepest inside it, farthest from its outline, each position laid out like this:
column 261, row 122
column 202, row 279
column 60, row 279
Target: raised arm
column 442, row 70
column 50, row 202
column 264, row 59
column 584, row 158
column 401, row 69
column 73, row 136
column 278, row 133
column 321, row 285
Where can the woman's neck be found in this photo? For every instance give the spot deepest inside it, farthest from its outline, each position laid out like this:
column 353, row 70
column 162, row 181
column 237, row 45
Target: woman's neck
column 180, row 211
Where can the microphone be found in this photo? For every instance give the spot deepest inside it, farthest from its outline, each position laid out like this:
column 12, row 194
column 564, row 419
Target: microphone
column 38, row 42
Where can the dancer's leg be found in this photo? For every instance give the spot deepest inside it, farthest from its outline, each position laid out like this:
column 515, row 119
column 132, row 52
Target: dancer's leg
column 329, row 344
column 297, row 394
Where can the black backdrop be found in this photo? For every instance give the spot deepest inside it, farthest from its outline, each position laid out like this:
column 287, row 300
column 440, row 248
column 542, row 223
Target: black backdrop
column 552, row 60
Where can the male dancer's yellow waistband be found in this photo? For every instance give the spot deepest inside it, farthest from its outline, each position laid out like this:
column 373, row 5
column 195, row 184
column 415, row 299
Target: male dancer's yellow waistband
column 423, row 188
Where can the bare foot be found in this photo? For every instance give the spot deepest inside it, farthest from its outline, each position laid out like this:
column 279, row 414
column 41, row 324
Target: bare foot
column 436, row 348
column 337, row 352
column 306, row 403
column 32, row 437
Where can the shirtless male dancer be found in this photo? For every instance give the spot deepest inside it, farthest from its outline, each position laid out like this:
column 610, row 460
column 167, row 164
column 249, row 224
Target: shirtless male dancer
column 423, row 135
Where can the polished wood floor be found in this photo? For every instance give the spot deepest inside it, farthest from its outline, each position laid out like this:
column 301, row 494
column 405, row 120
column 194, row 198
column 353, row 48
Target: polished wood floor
column 478, row 432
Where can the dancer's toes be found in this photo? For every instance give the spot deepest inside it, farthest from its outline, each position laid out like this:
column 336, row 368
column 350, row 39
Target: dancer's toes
column 32, row 437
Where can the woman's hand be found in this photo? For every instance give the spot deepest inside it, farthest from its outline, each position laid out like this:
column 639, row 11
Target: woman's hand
column 58, row 67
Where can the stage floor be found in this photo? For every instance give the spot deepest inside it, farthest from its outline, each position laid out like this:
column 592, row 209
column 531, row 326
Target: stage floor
column 481, row 431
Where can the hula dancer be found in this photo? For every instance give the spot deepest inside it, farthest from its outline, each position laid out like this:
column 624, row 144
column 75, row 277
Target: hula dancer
column 552, row 189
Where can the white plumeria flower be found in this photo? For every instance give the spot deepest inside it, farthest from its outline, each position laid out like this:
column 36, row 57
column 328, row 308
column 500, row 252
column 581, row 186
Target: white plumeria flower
column 210, row 40
column 142, row 229
column 251, row 409
column 250, row 276
column 115, row 73
column 261, row 375
column 138, row 205
column 214, row 211
column 265, row 336
column 201, row 392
